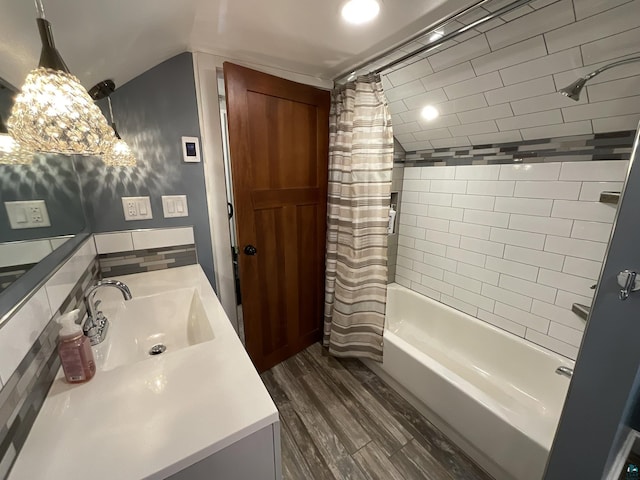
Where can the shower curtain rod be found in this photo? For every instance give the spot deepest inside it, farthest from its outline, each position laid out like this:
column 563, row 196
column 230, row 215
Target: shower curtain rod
column 435, row 43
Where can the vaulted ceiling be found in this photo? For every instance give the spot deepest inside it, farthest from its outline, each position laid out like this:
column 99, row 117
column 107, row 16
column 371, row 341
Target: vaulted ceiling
column 499, row 82
column 122, row 38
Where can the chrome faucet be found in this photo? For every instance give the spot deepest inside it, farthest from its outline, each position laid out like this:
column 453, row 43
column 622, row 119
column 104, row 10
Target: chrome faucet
column 566, row 371
column 96, row 325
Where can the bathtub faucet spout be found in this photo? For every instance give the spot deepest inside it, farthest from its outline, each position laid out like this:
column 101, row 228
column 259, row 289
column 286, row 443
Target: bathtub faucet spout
column 566, row 371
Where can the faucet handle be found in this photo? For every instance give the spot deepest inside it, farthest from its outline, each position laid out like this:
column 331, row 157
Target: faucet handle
column 566, row 371
column 100, row 319
column 630, row 282
column 89, row 325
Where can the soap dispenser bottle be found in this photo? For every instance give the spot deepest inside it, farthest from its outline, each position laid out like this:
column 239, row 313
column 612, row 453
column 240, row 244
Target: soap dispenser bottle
column 74, row 349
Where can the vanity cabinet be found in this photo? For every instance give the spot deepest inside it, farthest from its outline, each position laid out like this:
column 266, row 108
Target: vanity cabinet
column 198, row 412
column 256, row 457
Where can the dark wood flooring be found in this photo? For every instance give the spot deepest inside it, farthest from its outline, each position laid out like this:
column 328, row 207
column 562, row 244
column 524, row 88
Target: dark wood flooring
column 341, row 421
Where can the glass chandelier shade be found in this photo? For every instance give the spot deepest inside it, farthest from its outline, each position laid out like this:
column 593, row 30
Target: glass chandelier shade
column 53, row 112
column 119, row 155
column 12, row 153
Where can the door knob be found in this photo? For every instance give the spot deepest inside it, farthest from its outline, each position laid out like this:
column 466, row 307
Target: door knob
column 630, row 282
column 250, row 250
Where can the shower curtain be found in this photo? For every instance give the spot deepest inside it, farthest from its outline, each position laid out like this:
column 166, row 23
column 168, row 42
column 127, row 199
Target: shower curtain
column 360, row 168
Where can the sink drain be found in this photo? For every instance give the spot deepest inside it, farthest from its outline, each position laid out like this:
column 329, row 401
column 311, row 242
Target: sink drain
column 157, row 349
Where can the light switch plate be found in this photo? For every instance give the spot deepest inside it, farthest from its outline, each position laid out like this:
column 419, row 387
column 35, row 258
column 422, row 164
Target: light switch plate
column 28, row 214
column 191, row 149
column 175, row 206
column 137, row 208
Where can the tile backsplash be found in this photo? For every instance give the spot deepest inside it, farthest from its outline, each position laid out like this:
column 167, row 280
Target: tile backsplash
column 17, row 258
column 513, row 245
column 137, row 261
column 28, row 357
column 124, row 253
column 8, row 275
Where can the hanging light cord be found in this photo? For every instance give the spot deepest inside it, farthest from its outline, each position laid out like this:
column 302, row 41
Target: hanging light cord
column 40, row 8
column 113, row 122
column 110, row 110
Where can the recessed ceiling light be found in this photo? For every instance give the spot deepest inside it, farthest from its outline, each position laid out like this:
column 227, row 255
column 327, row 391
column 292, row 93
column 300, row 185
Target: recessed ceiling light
column 437, row 35
column 360, row 11
column 430, row 113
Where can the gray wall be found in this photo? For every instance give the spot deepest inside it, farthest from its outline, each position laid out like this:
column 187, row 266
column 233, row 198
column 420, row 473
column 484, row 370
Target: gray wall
column 153, row 111
column 6, row 101
column 51, row 178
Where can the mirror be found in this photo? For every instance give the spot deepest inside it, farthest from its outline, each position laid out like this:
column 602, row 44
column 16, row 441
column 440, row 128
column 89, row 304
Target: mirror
column 31, row 233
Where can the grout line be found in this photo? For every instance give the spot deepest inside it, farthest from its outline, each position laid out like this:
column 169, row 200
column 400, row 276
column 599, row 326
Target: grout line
column 573, row 8
column 603, row 11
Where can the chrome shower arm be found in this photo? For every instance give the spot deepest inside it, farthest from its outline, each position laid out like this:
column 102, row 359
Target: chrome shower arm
column 573, row 90
column 611, row 65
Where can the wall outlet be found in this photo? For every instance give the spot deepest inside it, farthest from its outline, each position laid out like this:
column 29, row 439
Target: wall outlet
column 27, row 214
column 137, row 208
column 175, row 206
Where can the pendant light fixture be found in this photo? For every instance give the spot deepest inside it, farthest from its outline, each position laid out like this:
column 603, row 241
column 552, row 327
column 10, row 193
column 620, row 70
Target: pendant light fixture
column 53, row 111
column 11, row 153
column 118, row 154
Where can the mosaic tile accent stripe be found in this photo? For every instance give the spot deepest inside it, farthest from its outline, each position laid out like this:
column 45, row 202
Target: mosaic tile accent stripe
column 26, row 390
column 603, row 146
column 138, row 261
column 8, row 275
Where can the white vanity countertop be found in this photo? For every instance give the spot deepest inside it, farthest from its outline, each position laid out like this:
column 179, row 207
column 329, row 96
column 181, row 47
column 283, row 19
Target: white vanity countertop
column 155, row 417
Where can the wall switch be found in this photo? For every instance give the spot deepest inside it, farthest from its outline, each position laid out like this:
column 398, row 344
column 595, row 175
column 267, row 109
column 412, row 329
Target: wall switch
column 175, row 206
column 27, row 214
column 137, row 208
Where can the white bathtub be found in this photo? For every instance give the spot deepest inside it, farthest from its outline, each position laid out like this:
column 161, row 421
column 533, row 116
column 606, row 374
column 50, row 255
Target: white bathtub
column 495, row 395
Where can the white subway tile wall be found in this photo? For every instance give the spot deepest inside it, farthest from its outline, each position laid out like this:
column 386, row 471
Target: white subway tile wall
column 513, row 245
column 500, row 83
column 115, row 242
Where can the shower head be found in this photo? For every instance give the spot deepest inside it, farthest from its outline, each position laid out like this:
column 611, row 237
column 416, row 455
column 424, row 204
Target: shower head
column 573, row 90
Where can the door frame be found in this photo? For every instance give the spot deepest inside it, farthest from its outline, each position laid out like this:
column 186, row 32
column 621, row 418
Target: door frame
column 205, row 70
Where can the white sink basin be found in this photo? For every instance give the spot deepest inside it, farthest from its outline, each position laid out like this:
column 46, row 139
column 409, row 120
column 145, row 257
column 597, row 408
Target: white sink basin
column 175, row 320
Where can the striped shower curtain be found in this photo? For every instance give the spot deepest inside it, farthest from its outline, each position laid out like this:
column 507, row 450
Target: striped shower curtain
column 360, row 167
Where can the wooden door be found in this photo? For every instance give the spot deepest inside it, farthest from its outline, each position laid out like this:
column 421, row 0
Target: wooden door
column 279, row 142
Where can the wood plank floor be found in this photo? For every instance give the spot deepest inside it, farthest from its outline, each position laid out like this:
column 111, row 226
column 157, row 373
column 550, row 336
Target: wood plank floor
column 341, row 421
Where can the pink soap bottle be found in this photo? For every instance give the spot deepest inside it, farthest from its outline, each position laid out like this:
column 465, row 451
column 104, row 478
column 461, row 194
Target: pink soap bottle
column 74, row 349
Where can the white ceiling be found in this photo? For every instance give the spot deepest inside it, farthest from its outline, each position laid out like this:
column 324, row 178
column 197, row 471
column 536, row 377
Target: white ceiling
column 120, row 39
